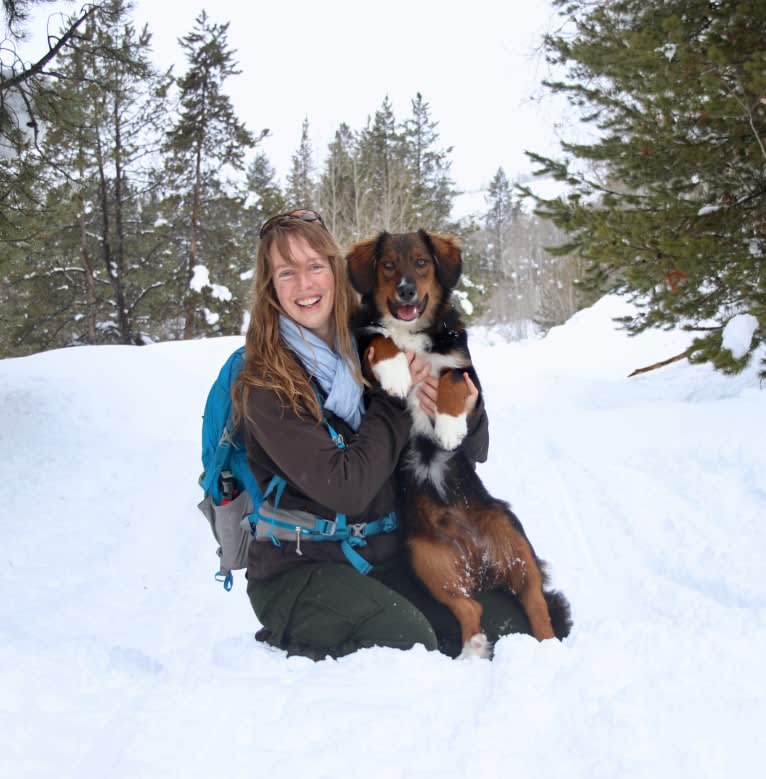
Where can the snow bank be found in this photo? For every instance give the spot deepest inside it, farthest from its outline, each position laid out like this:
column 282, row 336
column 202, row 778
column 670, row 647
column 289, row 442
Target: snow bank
column 120, row 656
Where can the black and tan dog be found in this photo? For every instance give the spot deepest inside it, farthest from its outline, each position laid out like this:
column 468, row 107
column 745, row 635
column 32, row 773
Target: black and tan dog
column 461, row 539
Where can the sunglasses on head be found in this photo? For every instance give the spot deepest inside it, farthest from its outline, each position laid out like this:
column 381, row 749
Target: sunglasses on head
column 304, row 214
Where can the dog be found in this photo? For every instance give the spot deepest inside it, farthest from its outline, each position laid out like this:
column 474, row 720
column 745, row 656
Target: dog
column 461, row 540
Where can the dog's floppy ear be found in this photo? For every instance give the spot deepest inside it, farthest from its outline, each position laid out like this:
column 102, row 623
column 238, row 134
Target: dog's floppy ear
column 361, row 260
column 446, row 252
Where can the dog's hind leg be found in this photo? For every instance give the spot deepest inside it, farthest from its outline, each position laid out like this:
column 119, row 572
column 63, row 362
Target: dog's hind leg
column 468, row 613
column 526, row 579
column 530, row 593
column 437, row 566
column 516, row 567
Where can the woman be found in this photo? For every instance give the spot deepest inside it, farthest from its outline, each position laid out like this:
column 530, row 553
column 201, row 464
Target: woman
column 302, row 370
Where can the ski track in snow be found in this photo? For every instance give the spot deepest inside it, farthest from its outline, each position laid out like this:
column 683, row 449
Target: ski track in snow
column 120, row 657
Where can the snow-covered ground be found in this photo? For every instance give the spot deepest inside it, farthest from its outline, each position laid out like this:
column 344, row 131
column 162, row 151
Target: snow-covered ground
column 121, row 657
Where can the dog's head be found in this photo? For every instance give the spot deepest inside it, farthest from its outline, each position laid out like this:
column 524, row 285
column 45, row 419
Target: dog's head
column 407, row 275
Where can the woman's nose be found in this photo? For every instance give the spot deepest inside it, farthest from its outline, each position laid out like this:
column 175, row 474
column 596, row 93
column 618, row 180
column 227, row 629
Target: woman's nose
column 303, row 278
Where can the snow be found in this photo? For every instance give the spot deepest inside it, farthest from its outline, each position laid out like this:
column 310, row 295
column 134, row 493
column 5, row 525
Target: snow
column 15, row 111
column 120, row 656
column 462, row 299
column 211, row 317
column 738, row 334
column 668, row 50
column 201, row 279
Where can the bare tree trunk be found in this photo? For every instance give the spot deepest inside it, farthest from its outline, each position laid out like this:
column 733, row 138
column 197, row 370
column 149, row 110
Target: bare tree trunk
column 89, row 275
column 110, row 261
column 122, row 314
column 87, row 260
column 196, row 197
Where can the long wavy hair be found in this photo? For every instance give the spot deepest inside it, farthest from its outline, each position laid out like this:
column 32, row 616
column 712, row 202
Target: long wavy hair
column 268, row 361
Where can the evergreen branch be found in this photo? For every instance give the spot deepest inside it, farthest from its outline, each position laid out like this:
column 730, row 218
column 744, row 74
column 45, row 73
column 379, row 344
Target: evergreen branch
column 750, row 121
column 37, row 68
column 143, row 294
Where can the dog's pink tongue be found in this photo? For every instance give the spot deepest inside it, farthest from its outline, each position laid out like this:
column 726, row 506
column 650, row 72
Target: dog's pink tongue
column 407, row 313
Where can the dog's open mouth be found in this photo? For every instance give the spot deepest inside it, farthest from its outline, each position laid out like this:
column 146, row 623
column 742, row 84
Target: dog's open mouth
column 407, row 312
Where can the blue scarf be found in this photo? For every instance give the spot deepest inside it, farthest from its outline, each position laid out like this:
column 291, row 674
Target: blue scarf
column 344, row 393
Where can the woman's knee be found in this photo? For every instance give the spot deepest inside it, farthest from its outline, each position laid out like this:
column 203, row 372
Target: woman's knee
column 328, row 608
column 398, row 624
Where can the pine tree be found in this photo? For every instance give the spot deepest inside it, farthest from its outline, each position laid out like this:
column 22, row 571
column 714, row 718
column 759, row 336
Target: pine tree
column 429, row 166
column 21, row 82
column 509, row 268
column 388, row 176
column 206, row 138
column 667, row 203
column 301, row 189
column 133, row 109
column 386, row 197
column 27, row 102
column 339, row 188
column 266, row 198
column 83, row 277
column 497, row 222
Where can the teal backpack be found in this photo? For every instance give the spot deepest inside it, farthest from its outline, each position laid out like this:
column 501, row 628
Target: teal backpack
column 239, row 511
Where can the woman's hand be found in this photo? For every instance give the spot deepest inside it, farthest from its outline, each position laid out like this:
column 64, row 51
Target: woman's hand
column 419, row 368
column 430, row 388
column 473, row 395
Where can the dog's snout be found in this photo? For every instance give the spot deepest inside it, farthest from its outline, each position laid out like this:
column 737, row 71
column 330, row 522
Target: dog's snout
column 406, row 290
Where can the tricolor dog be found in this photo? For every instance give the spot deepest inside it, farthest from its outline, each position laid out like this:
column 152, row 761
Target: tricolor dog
column 461, row 539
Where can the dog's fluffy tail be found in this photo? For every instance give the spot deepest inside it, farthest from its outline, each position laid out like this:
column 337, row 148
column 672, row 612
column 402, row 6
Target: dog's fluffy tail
column 560, row 612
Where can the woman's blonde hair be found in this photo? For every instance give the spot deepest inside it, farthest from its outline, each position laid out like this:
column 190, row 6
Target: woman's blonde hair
column 268, row 361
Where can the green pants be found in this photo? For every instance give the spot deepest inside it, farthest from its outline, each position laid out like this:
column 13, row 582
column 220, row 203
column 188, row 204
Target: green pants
column 320, row 609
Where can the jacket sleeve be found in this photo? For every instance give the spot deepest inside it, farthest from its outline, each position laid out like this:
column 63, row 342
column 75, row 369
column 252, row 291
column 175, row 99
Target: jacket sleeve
column 343, row 480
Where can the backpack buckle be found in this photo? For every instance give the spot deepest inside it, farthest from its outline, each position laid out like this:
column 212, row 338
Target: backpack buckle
column 358, row 530
column 325, row 527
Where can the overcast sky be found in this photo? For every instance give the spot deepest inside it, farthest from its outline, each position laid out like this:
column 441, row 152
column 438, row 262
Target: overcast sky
column 477, row 63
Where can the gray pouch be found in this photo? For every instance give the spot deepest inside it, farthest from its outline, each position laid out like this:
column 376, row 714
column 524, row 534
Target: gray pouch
column 231, row 529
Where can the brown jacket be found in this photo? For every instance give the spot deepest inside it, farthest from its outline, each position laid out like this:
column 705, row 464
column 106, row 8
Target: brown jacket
column 322, row 479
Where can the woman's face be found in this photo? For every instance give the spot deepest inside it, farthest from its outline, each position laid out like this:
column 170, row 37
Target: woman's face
column 305, row 287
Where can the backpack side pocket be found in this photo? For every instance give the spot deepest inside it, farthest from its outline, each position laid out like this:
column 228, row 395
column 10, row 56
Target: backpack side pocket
column 232, row 534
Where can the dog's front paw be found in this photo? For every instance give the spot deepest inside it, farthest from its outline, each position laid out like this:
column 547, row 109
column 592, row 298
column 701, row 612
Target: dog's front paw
column 477, row 646
column 450, row 431
column 394, row 375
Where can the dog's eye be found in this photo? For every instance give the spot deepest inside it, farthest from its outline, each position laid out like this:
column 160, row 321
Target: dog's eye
column 421, row 263
column 388, row 265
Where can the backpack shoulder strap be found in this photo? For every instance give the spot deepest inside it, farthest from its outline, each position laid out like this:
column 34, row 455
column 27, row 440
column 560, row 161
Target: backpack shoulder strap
column 217, row 423
column 336, row 437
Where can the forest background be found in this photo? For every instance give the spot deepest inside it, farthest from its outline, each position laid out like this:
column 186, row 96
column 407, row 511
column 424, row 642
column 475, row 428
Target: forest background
column 131, row 198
